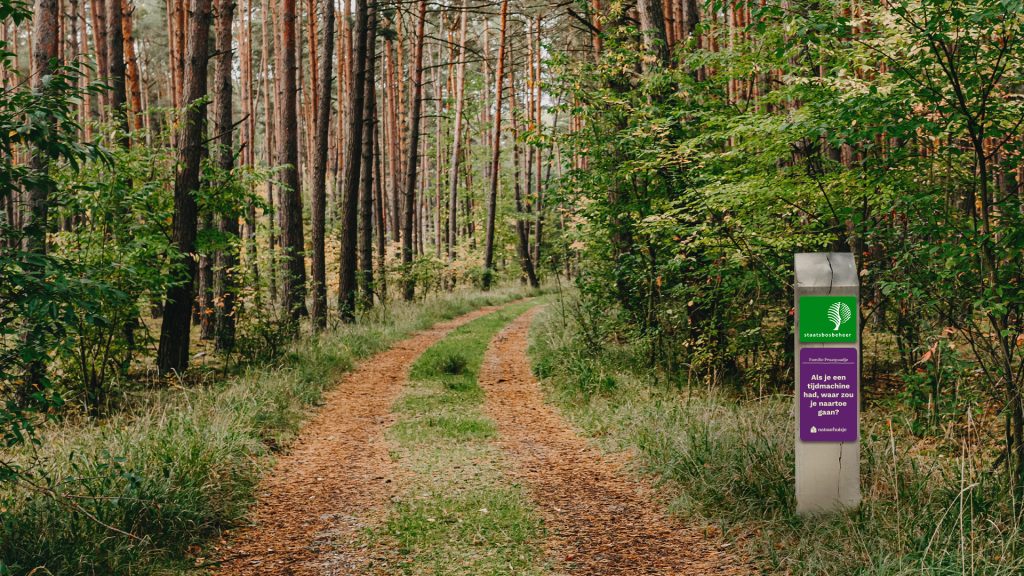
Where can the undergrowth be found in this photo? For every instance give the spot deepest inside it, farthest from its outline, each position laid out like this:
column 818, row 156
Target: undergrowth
column 140, row 492
column 729, row 461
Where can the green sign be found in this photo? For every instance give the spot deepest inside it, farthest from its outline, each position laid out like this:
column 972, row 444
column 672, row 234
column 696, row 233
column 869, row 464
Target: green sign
column 828, row 318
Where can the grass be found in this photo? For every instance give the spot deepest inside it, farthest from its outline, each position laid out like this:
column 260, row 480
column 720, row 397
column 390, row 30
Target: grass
column 177, row 471
column 729, row 462
column 461, row 514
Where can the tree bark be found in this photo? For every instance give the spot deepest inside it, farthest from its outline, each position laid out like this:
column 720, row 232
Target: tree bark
column 293, row 295
column 409, row 283
column 116, row 72
column 43, row 63
column 393, row 141
column 224, row 284
column 492, row 205
column 652, row 29
column 539, row 122
column 98, row 9
column 131, row 61
column 369, row 114
column 269, row 131
column 318, row 312
column 353, row 158
column 172, row 354
column 453, row 167
column 204, row 314
column 378, row 208
column 522, row 235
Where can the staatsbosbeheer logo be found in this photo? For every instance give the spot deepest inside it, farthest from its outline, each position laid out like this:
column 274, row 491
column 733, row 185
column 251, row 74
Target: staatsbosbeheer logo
column 839, row 313
column 828, row 319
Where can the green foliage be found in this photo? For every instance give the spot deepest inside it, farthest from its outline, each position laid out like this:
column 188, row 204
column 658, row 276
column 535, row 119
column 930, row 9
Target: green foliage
column 183, row 466
column 886, row 130
column 38, row 119
column 113, row 238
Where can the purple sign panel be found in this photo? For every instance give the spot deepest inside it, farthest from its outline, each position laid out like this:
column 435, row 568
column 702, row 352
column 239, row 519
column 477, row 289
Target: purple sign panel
column 828, row 394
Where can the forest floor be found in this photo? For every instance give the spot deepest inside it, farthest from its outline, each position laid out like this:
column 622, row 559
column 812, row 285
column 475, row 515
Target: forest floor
column 440, row 456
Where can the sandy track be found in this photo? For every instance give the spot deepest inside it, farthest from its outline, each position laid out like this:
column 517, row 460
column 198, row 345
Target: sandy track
column 337, row 476
column 600, row 521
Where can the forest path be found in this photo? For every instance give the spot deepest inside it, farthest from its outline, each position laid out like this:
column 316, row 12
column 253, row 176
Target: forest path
column 336, row 479
column 599, row 519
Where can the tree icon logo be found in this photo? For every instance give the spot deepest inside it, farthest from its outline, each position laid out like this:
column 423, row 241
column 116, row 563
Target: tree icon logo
column 839, row 313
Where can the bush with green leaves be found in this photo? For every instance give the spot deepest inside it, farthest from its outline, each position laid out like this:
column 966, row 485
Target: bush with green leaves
column 38, row 120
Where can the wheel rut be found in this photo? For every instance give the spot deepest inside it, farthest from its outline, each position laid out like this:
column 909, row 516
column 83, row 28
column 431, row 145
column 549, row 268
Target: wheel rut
column 599, row 519
column 336, row 478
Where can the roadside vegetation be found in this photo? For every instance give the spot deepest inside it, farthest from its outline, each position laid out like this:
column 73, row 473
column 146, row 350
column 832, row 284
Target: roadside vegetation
column 135, row 492
column 460, row 513
column 725, row 458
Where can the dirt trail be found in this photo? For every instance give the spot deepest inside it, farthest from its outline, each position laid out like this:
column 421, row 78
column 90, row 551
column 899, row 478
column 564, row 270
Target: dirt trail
column 337, row 476
column 600, row 521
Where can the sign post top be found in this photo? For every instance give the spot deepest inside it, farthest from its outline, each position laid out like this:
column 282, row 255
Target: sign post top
column 825, row 270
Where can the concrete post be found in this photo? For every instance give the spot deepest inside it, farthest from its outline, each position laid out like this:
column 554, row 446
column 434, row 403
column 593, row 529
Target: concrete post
column 827, row 367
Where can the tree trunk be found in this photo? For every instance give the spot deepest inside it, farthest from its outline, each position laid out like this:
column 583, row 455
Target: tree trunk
column 43, row 61
column 538, row 151
column 369, row 114
column 269, row 129
column 409, row 283
column 492, row 205
column 293, row 295
column 116, row 72
column 318, row 312
column 522, row 236
column 204, row 313
column 378, row 209
column 652, row 28
column 248, row 144
column 453, row 167
column 224, row 285
column 353, row 158
column 131, row 61
column 172, row 354
column 99, row 27
column 393, row 141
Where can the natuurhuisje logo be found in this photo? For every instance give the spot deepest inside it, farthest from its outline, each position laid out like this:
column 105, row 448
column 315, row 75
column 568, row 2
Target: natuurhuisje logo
column 838, row 314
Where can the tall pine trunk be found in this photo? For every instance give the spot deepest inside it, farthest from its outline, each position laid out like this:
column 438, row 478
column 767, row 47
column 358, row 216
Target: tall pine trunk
column 366, row 183
column 453, row 166
column 522, row 234
column 224, row 273
column 43, row 61
column 116, row 70
column 131, row 61
column 293, row 295
column 378, row 208
column 172, row 354
column 492, row 204
column 409, row 283
column 318, row 312
column 353, row 159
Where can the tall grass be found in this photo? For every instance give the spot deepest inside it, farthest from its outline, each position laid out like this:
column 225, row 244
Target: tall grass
column 139, row 493
column 728, row 461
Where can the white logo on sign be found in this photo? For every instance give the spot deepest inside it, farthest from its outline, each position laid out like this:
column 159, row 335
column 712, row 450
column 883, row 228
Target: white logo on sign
column 839, row 313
